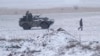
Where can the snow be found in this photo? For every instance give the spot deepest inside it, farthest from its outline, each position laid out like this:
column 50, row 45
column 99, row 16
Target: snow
column 51, row 42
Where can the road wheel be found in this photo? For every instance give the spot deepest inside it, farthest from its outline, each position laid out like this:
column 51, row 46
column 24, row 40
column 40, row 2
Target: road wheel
column 44, row 25
column 26, row 26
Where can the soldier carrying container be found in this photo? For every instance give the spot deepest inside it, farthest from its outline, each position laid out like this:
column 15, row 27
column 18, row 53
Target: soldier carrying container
column 81, row 25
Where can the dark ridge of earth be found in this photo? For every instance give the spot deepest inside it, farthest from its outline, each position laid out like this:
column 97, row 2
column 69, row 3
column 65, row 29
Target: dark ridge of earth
column 15, row 11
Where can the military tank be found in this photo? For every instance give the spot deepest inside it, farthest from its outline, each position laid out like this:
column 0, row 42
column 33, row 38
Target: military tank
column 27, row 22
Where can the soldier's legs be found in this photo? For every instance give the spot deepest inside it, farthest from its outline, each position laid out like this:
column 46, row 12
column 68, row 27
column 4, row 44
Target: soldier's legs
column 81, row 28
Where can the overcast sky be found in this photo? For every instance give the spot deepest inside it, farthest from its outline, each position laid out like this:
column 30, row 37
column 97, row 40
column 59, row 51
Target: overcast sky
column 47, row 3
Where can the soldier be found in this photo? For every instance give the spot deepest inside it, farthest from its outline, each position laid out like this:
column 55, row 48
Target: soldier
column 27, row 13
column 28, row 16
column 81, row 25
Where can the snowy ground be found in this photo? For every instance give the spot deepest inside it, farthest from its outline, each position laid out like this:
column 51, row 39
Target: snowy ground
column 40, row 42
column 68, row 21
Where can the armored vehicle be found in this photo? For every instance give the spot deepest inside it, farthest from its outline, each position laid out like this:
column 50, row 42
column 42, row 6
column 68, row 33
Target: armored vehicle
column 27, row 22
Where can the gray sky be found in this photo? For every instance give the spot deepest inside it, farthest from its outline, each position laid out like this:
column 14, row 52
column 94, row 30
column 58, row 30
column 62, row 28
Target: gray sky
column 47, row 3
column 91, row 3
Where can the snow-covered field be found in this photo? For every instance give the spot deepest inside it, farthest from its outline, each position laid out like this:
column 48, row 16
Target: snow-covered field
column 38, row 42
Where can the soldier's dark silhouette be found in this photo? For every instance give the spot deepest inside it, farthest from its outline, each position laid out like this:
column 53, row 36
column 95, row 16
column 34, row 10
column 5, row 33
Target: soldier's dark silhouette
column 29, row 16
column 81, row 25
column 27, row 13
